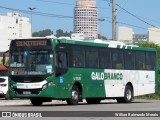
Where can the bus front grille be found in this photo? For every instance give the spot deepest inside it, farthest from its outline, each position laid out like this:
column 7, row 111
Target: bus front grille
column 27, row 91
column 28, row 79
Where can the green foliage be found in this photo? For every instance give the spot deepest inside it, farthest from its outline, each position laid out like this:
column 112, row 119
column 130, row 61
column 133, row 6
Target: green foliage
column 102, row 37
column 60, row 33
column 42, row 33
column 48, row 32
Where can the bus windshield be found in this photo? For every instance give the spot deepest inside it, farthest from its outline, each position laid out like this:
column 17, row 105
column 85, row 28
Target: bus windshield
column 31, row 62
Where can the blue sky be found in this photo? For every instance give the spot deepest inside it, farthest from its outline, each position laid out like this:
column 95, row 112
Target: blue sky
column 148, row 10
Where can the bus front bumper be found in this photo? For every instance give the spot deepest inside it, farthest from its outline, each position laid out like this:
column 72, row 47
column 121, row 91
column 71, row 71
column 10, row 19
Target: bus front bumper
column 32, row 93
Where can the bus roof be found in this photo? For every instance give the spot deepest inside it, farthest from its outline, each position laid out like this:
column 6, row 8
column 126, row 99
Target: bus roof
column 97, row 42
column 105, row 43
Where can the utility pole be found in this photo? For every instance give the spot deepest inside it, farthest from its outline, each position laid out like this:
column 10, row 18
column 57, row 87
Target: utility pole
column 114, row 20
column 31, row 9
column 101, row 20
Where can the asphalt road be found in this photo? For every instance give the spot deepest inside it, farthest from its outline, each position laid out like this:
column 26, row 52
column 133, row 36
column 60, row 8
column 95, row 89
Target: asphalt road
column 101, row 111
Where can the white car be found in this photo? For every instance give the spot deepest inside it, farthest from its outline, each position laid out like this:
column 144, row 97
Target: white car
column 4, row 87
column 4, row 84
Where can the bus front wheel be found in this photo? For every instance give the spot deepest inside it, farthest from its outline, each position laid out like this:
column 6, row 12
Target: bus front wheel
column 36, row 102
column 128, row 95
column 75, row 94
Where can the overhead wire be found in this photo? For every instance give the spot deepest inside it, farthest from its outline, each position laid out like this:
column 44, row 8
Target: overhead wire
column 37, row 13
column 63, row 3
column 137, row 17
column 63, row 16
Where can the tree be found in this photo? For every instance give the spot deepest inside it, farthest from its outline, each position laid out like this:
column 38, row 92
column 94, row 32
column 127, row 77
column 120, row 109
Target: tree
column 102, row 37
column 60, row 33
column 42, row 33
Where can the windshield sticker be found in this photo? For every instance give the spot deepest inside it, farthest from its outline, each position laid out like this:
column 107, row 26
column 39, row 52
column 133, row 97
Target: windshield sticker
column 25, row 53
column 61, row 79
column 49, row 69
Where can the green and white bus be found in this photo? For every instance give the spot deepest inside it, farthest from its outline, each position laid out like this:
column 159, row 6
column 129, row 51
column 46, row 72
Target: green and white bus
column 43, row 69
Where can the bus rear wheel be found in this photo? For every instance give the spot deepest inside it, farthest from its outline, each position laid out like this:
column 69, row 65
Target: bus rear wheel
column 36, row 102
column 75, row 95
column 128, row 95
column 93, row 100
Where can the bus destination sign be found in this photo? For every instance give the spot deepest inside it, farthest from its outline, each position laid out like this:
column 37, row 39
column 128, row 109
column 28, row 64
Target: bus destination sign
column 31, row 43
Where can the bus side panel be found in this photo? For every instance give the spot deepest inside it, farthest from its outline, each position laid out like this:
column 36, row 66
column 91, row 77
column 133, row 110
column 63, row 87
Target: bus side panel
column 90, row 87
column 146, row 82
column 93, row 83
column 143, row 82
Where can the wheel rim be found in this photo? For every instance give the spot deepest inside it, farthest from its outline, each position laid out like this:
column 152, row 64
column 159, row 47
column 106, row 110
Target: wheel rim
column 128, row 94
column 75, row 95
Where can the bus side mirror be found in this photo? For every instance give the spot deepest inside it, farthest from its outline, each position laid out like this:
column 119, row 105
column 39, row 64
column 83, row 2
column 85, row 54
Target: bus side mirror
column 5, row 63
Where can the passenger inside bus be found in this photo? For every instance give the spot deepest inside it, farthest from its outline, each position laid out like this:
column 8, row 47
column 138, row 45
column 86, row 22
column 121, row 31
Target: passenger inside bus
column 61, row 60
column 77, row 62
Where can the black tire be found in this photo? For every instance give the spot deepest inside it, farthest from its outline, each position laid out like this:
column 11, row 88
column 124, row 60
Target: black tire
column 7, row 97
column 93, row 100
column 36, row 102
column 128, row 95
column 75, row 96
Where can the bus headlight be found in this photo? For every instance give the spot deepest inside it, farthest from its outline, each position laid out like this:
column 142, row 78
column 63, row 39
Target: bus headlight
column 46, row 85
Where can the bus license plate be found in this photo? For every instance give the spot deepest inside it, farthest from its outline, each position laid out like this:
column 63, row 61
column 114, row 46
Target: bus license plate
column 26, row 92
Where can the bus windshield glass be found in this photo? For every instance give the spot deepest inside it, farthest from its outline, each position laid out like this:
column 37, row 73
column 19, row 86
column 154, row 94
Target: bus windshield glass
column 31, row 62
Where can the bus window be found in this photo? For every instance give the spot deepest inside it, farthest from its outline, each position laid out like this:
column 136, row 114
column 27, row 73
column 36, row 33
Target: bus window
column 105, row 60
column 92, row 58
column 77, row 57
column 140, row 60
column 129, row 58
column 17, row 59
column 150, row 61
column 61, row 60
column 117, row 59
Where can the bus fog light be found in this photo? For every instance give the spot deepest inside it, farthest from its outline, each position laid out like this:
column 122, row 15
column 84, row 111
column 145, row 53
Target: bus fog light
column 44, row 86
column 49, row 84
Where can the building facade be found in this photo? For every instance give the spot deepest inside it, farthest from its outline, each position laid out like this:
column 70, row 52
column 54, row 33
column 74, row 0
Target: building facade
column 125, row 34
column 13, row 26
column 86, row 18
column 140, row 37
column 154, row 35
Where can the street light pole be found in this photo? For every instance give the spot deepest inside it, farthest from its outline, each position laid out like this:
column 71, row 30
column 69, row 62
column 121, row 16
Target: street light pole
column 31, row 10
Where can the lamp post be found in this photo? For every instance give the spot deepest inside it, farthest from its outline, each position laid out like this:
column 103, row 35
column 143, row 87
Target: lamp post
column 101, row 20
column 31, row 10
